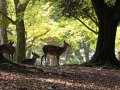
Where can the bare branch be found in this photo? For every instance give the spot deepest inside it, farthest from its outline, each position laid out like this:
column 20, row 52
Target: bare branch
column 85, row 25
column 24, row 5
column 33, row 40
column 20, row 7
column 93, row 19
column 13, row 22
column 16, row 2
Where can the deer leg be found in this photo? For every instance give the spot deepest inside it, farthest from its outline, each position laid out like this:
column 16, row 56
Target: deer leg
column 12, row 56
column 42, row 59
column 57, row 60
column 9, row 57
column 45, row 58
column 48, row 61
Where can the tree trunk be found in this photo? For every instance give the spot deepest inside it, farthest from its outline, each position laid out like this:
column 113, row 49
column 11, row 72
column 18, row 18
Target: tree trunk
column 20, row 28
column 105, row 50
column 21, row 42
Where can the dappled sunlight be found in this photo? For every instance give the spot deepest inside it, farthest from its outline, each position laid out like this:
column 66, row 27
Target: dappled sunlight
column 62, row 78
column 67, row 83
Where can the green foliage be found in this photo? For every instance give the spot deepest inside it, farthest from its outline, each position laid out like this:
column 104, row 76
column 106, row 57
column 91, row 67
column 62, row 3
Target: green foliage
column 44, row 26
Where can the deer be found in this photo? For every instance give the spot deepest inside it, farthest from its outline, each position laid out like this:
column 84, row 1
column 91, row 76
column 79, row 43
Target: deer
column 32, row 60
column 54, row 50
column 8, row 48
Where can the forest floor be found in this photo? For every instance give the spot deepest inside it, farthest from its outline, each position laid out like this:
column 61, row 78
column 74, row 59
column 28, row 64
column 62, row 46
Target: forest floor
column 69, row 77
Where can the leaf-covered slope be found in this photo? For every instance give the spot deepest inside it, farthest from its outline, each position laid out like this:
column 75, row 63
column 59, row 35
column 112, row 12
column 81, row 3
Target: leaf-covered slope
column 60, row 78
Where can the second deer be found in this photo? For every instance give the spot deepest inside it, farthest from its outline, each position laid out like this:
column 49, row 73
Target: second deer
column 8, row 48
column 54, row 50
column 32, row 60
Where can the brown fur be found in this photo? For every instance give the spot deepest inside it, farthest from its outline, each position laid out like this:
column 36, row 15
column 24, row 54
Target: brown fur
column 54, row 50
column 32, row 60
column 8, row 48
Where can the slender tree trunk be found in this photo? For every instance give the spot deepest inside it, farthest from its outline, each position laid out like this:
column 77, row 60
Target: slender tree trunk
column 21, row 42
column 20, row 28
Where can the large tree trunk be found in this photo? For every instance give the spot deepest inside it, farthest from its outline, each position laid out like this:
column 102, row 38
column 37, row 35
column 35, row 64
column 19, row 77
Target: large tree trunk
column 21, row 42
column 105, row 50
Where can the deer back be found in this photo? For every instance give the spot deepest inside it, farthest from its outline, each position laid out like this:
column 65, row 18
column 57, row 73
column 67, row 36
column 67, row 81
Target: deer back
column 11, row 47
column 4, row 49
column 28, row 61
column 7, row 48
column 53, row 50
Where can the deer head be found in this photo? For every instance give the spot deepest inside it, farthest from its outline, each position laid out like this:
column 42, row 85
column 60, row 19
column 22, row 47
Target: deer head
column 32, row 60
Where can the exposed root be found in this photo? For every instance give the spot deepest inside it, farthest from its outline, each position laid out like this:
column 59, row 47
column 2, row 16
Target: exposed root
column 111, row 64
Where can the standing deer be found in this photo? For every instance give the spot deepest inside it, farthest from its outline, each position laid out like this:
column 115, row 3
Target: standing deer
column 32, row 60
column 8, row 48
column 54, row 50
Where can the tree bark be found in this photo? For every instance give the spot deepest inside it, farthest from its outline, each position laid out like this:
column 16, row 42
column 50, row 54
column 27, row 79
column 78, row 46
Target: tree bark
column 105, row 50
column 21, row 42
column 20, row 28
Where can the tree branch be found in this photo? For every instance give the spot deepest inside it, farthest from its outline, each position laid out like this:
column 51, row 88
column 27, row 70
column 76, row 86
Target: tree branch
column 16, row 2
column 35, row 39
column 24, row 5
column 85, row 25
column 93, row 19
column 13, row 22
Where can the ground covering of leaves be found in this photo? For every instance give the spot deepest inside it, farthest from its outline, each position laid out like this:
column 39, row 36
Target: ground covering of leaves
column 59, row 78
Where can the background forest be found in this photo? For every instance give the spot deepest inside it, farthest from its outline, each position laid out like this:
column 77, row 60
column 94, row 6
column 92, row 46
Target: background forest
column 47, row 23
column 88, row 32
